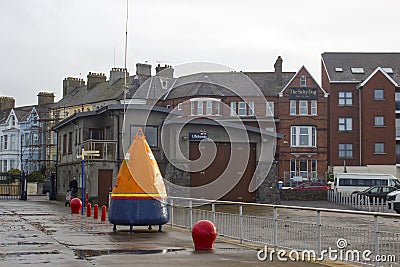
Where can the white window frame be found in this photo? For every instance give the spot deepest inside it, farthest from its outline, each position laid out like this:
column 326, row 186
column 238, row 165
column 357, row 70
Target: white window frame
column 217, row 108
column 13, row 141
column 208, row 107
column 270, row 108
column 242, row 109
column 346, row 151
column 292, row 107
column 345, row 124
column 303, row 107
column 379, row 148
column 379, row 121
column 296, row 132
column 376, row 92
column 251, row 108
column 199, row 107
column 192, row 108
column 346, row 98
column 179, row 106
column 314, row 107
column 303, row 81
column 233, row 109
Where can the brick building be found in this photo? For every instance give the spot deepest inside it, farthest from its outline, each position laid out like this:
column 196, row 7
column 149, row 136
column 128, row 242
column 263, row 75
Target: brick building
column 364, row 117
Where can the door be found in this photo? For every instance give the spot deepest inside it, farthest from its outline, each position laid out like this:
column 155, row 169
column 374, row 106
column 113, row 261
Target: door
column 104, row 186
column 218, row 166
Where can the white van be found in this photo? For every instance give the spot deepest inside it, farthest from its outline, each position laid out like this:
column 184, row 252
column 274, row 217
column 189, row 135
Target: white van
column 356, row 182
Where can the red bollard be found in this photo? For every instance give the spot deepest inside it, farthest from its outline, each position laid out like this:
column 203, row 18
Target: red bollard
column 95, row 211
column 89, row 210
column 75, row 205
column 204, row 234
column 103, row 213
column 86, row 198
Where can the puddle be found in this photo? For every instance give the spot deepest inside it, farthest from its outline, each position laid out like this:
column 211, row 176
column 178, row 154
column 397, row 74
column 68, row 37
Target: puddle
column 24, row 244
column 84, row 254
column 25, row 253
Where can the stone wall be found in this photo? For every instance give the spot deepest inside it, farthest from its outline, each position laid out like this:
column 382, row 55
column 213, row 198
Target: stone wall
column 289, row 194
column 268, row 191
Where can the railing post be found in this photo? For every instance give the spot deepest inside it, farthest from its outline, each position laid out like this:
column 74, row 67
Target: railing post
column 171, row 205
column 213, row 212
column 241, row 223
column 391, row 206
column 373, row 204
column 190, row 214
column 319, row 232
column 376, row 238
column 275, row 228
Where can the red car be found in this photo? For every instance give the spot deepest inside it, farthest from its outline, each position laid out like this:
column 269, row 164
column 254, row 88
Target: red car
column 311, row 186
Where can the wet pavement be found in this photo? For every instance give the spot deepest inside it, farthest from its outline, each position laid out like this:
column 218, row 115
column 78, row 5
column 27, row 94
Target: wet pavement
column 45, row 233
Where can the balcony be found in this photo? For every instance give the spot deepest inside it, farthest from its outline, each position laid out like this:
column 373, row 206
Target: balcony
column 107, row 149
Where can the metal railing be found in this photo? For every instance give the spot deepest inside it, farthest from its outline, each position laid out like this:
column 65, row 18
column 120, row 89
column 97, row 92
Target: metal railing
column 107, row 149
column 297, row 228
column 361, row 202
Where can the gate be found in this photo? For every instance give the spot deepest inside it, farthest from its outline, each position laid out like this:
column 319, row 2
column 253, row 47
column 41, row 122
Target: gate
column 10, row 186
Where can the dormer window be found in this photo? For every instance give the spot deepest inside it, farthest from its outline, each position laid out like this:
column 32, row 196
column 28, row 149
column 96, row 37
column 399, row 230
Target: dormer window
column 12, row 121
column 303, row 81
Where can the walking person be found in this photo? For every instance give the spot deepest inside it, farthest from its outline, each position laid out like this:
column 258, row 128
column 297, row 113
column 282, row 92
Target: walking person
column 73, row 186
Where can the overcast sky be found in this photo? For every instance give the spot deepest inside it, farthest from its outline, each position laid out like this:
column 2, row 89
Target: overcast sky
column 44, row 41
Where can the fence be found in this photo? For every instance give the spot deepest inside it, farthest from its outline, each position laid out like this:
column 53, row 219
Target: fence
column 361, row 202
column 10, row 187
column 311, row 230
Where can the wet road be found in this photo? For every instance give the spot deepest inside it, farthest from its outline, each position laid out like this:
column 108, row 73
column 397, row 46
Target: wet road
column 45, row 233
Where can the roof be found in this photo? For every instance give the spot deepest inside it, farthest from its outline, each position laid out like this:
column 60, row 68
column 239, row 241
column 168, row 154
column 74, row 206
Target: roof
column 228, row 84
column 368, row 61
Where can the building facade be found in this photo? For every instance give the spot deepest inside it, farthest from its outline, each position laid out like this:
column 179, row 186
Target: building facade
column 364, row 118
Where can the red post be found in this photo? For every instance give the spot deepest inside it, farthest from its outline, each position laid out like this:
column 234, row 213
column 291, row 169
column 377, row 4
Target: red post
column 86, row 198
column 95, row 211
column 89, row 210
column 75, row 205
column 204, row 234
column 103, row 213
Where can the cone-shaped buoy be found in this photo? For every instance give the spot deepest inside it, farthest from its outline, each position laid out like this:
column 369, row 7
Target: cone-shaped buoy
column 139, row 196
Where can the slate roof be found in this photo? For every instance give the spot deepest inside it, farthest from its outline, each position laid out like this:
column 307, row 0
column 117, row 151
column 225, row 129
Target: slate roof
column 228, row 84
column 368, row 61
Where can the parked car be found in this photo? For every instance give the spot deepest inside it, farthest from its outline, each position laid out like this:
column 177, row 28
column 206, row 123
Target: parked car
column 395, row 197
column 46, row 187
column 379, row 191
column 311, row 186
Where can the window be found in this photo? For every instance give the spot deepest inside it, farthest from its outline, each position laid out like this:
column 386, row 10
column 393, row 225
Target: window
column 303, row 136
column 242, row 108
column 217, row 108
column 345, row 99
column 303, row 81
column 12, row 121
column 292, row 168
column 233, row 108
column 303, row 167
column 379, row 148
column 208, row 107
column 339, row 69
column 303, row 107
column 345, row 124
column 5, row 144
column 314, row 104
column 5, row 166
column 179, row 106
column 357, row 70
column 251, row 108
column 151, row 133
column 270, row 109
column 313, row 168
column 192, row 108
column 13, row 164
column 69, row 142
column 378, row 94
column 64, row 147
column 199, row 107
column 292, row 107
column 345, row 150
column 379, row 121
column 13, row 139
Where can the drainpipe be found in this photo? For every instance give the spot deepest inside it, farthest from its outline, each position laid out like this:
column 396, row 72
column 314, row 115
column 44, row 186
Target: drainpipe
column 360, row 124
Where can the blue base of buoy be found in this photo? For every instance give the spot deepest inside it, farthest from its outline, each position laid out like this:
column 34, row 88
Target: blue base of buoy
column 134, row 212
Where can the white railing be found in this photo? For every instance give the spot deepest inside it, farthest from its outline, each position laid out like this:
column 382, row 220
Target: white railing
column 361, row 202
column 296, row 228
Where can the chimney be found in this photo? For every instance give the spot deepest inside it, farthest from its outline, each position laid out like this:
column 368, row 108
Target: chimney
column 143, row 70
column 70, row 84
column 278, row 71
column 6, row 102
column 165, row 71
column 45, row 98
column 116, row 74
column 95, row 78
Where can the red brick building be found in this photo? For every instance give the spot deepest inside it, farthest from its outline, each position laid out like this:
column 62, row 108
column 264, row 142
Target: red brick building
column 364, row 118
